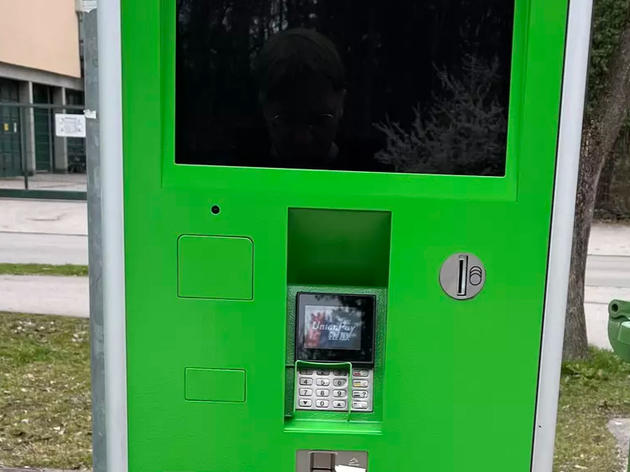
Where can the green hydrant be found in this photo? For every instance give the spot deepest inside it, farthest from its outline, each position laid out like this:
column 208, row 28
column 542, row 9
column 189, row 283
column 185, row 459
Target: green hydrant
column 619, row 328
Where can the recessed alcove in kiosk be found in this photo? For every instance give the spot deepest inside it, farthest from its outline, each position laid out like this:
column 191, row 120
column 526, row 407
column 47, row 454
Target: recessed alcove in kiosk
column 337, row 276
column 338, row 247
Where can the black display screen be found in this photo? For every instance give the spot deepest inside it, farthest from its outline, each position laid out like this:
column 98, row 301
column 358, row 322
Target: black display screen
column 334, row 327
column 416, row 86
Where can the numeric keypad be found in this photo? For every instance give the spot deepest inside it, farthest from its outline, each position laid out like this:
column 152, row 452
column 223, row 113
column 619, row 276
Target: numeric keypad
column 327, row 390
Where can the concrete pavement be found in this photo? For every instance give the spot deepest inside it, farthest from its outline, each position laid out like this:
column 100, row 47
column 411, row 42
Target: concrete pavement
column 45, row 294
column 608, row 271
column 43, row 216
column 43, row 232
column 620, row 429
column 46, row 181
column 607, row 277
column 610, row 239
column 42, row 248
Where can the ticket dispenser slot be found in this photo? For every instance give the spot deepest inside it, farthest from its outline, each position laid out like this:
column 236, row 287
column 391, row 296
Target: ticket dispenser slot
column 331, row 461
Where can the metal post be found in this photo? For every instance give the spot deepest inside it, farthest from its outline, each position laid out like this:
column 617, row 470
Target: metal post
column 99, row 429
column 23, row 147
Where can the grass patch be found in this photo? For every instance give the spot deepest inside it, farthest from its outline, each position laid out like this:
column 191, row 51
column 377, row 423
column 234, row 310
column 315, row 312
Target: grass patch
column 43, row 269
column 591, row 393
column 45, row 416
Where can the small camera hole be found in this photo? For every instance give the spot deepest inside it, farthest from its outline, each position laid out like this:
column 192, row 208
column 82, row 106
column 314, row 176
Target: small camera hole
column 614, row 307
column 216, row 209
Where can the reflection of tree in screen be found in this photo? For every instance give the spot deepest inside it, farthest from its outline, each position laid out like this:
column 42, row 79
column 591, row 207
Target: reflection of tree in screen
column 399, row 57
column 462, row 131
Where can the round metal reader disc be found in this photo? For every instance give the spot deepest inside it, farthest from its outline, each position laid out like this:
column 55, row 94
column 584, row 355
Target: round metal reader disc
column 463, row 275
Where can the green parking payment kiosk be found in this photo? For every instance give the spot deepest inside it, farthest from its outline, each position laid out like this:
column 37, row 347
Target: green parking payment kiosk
column 337, row 233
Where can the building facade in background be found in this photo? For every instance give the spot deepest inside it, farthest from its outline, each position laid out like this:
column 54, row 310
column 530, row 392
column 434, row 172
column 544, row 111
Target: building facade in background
column 40, row 65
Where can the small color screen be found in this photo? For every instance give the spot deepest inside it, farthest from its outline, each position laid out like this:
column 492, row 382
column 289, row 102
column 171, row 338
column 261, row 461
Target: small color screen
column 334, row 327
column 329, row 327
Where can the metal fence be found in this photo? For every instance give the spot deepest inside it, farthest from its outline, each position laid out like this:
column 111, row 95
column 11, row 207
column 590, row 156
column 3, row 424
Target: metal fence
column 42, row 150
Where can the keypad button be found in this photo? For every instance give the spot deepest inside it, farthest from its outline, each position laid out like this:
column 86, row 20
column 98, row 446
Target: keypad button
column 328, row 390
column 359, row 394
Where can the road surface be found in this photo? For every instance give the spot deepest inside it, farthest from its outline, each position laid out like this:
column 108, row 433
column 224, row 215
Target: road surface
column 43, row 232
column 608, row 271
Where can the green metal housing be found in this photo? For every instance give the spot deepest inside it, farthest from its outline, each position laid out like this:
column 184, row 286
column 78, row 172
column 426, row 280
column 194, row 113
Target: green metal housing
column 619, row 328
column 459, row 379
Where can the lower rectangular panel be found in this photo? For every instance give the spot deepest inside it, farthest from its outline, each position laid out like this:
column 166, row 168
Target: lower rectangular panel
column 215, row 385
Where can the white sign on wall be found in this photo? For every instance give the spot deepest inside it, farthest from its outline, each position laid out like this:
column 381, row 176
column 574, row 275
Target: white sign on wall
column 85, row 5
column 69, row 126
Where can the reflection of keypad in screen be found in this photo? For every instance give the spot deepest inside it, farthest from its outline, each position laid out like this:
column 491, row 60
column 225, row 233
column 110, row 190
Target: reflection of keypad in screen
column 327, row 390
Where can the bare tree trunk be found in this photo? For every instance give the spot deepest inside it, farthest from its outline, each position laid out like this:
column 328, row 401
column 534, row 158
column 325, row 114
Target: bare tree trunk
column 598, row 140
column 603, row 201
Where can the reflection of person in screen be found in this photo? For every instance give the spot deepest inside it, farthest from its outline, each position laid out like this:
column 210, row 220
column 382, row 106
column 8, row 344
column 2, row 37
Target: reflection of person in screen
column 313, row 335
column 301, row 92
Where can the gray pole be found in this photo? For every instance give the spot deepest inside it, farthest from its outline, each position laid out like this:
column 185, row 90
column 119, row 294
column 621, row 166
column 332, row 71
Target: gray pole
column 23, row 147
column 99, row 436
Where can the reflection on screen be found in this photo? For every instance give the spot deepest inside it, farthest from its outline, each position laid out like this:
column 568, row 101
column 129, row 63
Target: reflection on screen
column 330, row 327
column 419, row 86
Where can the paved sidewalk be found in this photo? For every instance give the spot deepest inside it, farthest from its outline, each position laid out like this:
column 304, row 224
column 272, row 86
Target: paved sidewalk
column 607, row 277
column 43, row 216
column 596, row 307
column 610, row 239
column 37, row 248
column 43, row 232
column 46, row 181
column 620, row 429
column 45, row 295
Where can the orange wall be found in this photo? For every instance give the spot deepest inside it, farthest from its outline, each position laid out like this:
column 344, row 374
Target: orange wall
column 40, row 34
